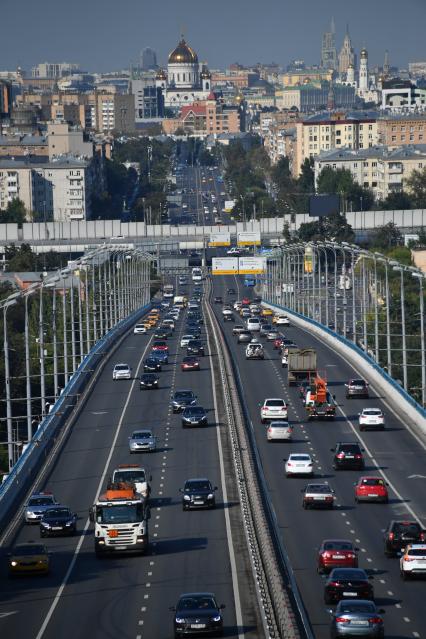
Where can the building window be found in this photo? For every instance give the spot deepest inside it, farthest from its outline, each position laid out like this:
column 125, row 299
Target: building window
column 394, row 138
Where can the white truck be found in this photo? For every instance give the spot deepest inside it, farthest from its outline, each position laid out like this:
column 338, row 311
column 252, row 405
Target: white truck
column 254, row 350
column 168, row 291
column 135, row 475
column 121, row 518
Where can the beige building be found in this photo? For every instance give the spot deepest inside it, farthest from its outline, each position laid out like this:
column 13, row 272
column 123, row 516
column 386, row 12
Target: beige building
column 305, row 76
column 378, row 168
column 400, row 130
column 336, row 131
column 205, row 117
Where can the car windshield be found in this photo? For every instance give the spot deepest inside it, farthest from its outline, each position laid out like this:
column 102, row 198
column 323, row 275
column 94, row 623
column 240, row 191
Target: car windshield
column 200, row 484
column 352, row 574
column 142, row 434
column 184, row 394
column 357, row 606
column 194, row 410
column 189, row 360
column 121, row 367
column 196, row 603
column 57, row 512
column 407, row 527
column 122, row 514
column 274, row 402
column 20, row 551
column 350, row 448
column 194, row 343
column 129, row 475
column 371, row 412
column 357, row 382
column 40, row 501
column 338, row 545
column 417, row 552
column 372, row 481
column 318, row 488
column 299, row 458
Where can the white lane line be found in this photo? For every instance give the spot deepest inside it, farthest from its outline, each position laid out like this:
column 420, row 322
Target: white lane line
column 406, row 619
column 65, row 580
column 143, row 609
column 398, row 606
column 382, row 581
column 390, row 593
column 416, row 634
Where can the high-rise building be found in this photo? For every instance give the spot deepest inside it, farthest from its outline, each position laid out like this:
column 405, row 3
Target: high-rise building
column 148, row 59
column 53, row 69
column 328, row 49
column 347, row 54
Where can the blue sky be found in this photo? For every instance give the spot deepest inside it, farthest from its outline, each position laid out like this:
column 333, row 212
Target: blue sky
column 109, row 34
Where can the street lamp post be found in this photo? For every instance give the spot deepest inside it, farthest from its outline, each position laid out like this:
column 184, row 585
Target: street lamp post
column 401, row 269
column 420, row 278
column 10, row 301
column 30, row 290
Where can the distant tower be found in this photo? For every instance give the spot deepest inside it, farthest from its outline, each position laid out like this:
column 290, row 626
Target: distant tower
column 330, row 98
column 386, row 65
column 350, row 74
column 363, row 71
column 148, row 59
column 328, row 49
column 347, row 54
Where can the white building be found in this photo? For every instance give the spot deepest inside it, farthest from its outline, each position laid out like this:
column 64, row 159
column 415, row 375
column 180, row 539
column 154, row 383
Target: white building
column 363, row 84
column 186, row 81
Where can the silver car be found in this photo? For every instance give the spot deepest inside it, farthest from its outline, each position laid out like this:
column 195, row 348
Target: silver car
column 279, row 430
column 357, row 617
column 142, row 441
column 122, row 371
column 37, row 506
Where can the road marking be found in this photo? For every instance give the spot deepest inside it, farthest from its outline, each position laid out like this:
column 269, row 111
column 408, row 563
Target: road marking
column 398, row 605
column 65, row 580
column 406, row 619
column 390, row 593
column 7, row 614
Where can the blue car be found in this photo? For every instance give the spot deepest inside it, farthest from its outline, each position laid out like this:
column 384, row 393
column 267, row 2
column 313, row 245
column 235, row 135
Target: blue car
column 160, row 356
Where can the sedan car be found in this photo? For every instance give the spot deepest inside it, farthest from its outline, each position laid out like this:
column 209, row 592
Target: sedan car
column 198, row 493
column 160, row 345
column 160, row 356
column 122, row 371
column 272, row 335
column 139, row 329
column 299, row 464
column 278, row 431
column 348, row 455
column 238, row 328
column 37, row 505
column 148, row 381
column 58, row 521
column 197, row 613
column 185, row 339
column 358, row 617
column 227, row 315
column 142, row 441
column 356, row 388
column 413, row 561
column 230, row 291
column 194, row 416
column 371, row 419
column 336, row 553
column 244, row 337
column 264, row 329
column 281, row 320
column 400, row 533
column 347, row 583
column 318, row 496
column 28, row 558
column 195, row 347
column 371, row 489
column 161, row 333
column 218, row 299
column 182, row 399
column 274, row 408
column 151, row 365
column 190, row 363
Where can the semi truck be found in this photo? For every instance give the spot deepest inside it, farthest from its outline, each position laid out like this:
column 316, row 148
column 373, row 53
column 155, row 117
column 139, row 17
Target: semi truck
column 121, row 518
column 302, row 364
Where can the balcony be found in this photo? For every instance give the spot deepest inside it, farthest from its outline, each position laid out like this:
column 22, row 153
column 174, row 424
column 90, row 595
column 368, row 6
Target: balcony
column 395, row 168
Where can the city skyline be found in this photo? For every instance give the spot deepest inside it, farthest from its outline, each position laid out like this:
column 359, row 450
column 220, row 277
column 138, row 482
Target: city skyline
column 275, row 33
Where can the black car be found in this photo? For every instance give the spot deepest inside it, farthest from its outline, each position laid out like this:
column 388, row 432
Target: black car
column 182, row 399
column 256, row 300
column 192, row 329
column 218, row 299
column 195, row 347
column 347, row 583
column 198, row 493
column 166, row 332
column 348, row 455
column 148, row 380
column 399, row 533
column 231, row 291
column 197, row 613
column 194, row 416
column 151, row 365
column 161, row 334
column 58, row 521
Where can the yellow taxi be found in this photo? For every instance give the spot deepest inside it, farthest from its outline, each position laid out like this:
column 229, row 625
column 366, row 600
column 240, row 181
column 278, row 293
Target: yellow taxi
column 152, row 320
column 267, row 312
column 146, row 324
column 29, row 558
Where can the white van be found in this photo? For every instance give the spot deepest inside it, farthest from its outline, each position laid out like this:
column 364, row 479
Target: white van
column 253, row 324
column 197, row 274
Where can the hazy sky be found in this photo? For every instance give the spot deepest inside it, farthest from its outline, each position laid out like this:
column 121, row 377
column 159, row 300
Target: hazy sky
column 108, row 34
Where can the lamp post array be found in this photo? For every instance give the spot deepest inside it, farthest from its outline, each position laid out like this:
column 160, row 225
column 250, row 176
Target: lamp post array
column 373, row 313
column 110, row 283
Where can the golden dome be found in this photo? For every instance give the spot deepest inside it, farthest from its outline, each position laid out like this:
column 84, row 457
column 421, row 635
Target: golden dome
column 183, row 54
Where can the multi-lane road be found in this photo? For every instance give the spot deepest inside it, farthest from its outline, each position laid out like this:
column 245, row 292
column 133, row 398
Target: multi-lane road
column 395, row 454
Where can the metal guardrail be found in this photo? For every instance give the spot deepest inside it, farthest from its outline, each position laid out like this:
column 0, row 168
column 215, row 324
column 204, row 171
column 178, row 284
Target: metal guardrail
column 25, row 471
column 356, row 349
column 283, row 608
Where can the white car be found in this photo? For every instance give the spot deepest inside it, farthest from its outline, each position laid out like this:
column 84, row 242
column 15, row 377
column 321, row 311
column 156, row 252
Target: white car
column 139, row 329
column 273, row 408
column 278, row 431
column 122, row 371
column 282, row 320
column 371, row 418
column 185, row 339
column 413, row 561
column 299, row 464
column 253, row 324
column 233, row 251
column 170, row 323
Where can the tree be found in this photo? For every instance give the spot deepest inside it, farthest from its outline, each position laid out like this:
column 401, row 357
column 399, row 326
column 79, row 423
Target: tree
column 397, row 201
column 306, row 181
column 15, row 212
column 341, row 182
column 387, row 236
column 416, row 185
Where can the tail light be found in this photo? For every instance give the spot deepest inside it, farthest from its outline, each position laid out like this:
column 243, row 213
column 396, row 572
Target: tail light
column 351, row 555
column 265, row 408
column 289, row 464
column 342, row 620
column 327, row 555
column 336, row 584
column 269, row 430
column 391, row 536
column 375, row 620
column 341, row 456
column 408, row 558
column 422, row 536
column 329, row 499
column 358, row 456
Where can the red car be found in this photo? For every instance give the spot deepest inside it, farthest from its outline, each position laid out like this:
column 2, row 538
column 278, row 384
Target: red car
column 160, row 345
column 190, row 364
column 337, row 553
column 278, row 342
column 245, row 301
column 371, row 489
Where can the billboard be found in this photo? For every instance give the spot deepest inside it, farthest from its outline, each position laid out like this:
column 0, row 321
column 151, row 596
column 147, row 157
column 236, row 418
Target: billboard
column 322, row 205
column 229, row 205
column 225, row 265
column 248, row 238
column 251, row 265
column 220, row 239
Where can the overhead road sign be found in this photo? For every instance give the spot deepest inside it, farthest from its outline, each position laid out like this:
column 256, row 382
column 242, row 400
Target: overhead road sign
column 220, row 239
column 225, row 266
column 248, row 238
column 251, row 265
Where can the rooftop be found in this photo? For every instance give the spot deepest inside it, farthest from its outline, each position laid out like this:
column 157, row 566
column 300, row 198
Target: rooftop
column 401, row 153
column 63, row 162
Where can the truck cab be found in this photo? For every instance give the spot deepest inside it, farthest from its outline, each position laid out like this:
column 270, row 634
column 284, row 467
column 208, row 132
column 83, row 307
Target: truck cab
column 135, row 475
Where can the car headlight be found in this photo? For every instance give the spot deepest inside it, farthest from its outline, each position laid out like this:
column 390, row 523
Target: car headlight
column 13, row 563
column 210, row 496
column 68, row 523
column 44, row 524
column 179, row 620
column 217, row 618
column 187, row 498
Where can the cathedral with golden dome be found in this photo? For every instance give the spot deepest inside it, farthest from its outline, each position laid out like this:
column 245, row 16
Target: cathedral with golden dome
column 186, row 79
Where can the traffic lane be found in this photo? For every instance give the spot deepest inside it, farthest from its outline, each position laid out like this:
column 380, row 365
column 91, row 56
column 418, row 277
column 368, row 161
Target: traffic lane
column 274, row 468
column 74, row 480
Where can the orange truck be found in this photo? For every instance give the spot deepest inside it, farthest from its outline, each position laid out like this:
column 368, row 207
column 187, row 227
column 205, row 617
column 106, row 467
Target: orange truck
column 319, row 402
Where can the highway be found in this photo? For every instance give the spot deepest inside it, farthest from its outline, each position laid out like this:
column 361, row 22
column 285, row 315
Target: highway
column 129, row 596
column 395, row 454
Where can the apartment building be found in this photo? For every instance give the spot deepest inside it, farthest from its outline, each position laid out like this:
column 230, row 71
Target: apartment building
column 205, row 117
column 402, row 130
column 378, row 168
column 324, row 132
